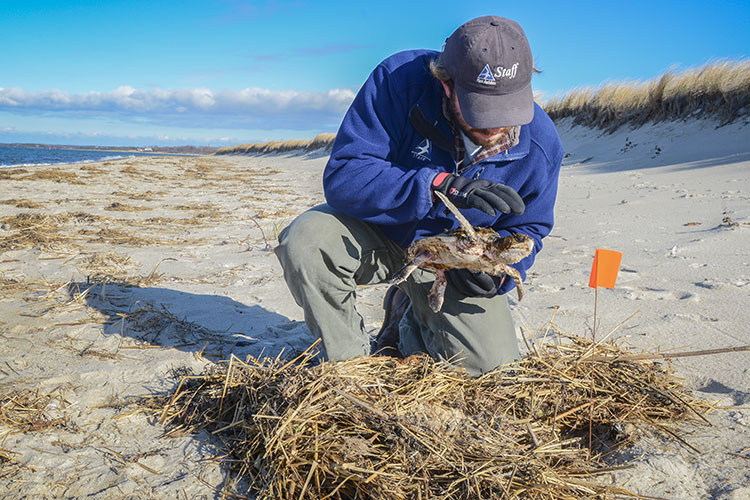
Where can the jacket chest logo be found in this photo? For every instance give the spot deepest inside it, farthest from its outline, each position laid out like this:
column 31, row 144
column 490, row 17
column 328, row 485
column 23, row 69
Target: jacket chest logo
column 422, row 151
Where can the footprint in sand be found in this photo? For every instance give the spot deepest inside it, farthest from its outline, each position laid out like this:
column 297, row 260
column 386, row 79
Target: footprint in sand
column 707, row 284
column 717, row 389
column 649, row 293
column 628, row 275
column 710, row 284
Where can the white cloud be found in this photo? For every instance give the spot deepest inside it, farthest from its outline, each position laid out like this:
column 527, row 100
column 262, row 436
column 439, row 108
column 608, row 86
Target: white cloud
column 192, row 107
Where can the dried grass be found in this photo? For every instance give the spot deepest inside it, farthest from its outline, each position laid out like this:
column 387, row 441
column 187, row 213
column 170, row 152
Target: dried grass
column 204, row 207
column 52, row 174
column 320, row 141
column 103, row 269
column 9, row 465
column 155, row 324
column 277, row 213
column 33, row 230
column 93, row 170
column 22, row 203
column 14, row 285
column 112, row 267
column 203, row 214
column 114, row 236
column 7, row 174
column 36, row 230
column 28, row 410
column 716, row 90
column 108, row 263
column 142, row 174
column 377, row 428
column 145, row 196
column 124, row 207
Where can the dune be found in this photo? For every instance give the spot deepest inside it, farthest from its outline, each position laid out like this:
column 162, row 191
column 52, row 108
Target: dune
column 120, row 277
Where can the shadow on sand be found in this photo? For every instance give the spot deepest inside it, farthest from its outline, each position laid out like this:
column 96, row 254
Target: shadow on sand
column 214, row 325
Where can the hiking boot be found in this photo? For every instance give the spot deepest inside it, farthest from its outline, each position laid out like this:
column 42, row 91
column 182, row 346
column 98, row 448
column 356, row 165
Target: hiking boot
column 395, row 303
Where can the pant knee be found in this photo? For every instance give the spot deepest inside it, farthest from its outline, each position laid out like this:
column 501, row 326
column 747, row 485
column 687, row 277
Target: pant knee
column 305, row 243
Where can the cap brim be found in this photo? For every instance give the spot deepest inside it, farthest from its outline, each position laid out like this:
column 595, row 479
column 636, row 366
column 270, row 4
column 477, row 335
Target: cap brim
column 494, row 111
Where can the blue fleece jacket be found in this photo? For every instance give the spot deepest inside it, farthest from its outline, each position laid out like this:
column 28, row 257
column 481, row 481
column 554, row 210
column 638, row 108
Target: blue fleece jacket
column 381, row 168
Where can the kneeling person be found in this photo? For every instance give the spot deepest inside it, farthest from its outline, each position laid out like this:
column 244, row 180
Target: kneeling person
column 462, row 122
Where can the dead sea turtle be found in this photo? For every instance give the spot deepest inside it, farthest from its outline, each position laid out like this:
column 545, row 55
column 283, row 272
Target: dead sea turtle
column 475, row 249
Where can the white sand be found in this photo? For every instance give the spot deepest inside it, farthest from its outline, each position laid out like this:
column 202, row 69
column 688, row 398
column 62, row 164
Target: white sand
column 219, row 290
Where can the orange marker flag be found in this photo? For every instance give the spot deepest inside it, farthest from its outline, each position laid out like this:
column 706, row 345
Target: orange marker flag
column 604, row 269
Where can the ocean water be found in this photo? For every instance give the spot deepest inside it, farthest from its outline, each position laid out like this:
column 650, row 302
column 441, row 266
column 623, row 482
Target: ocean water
column 11, row 156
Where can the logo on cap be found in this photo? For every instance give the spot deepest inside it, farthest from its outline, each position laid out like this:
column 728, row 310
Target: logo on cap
column 486, row 76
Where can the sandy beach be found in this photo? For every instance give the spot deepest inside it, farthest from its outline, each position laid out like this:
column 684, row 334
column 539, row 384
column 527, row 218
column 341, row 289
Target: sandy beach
column 119, row 277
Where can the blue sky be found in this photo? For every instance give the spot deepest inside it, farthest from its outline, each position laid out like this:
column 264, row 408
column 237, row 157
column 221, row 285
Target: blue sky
column 234, row 71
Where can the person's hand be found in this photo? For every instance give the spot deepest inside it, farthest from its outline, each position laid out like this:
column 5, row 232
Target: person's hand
column 483, row 194
column 471, row 284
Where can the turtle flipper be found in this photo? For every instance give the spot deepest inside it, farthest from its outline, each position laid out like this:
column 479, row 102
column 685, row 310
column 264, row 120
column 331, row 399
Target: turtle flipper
column 513, row 273
column 437, row 292
column 409, row 268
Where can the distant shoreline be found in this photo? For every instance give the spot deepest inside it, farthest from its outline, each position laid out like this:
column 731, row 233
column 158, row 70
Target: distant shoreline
column 17, row 156
column 172, row 150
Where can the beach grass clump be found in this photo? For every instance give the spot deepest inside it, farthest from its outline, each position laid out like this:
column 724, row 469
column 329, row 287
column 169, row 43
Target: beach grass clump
column 319, row 142
column 718, row 90
column 381, row 428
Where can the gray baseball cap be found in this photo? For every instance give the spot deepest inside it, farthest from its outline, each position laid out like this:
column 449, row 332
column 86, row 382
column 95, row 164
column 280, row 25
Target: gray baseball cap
column 490, row 63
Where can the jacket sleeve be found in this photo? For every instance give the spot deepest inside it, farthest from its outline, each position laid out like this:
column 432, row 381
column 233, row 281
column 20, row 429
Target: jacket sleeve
column 361, row 179
column 538, row 218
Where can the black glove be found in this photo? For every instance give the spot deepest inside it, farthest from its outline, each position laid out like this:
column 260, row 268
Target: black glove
column 481, row 193
column 471, row 284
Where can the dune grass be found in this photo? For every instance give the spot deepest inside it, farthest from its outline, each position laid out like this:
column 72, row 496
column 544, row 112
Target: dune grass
column 719, row 90
column 320, row 141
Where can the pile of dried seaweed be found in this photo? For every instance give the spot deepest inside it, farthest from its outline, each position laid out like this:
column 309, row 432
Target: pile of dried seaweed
column 380, row 428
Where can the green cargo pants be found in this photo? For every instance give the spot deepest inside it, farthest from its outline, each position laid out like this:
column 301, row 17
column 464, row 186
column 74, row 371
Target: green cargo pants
column 326, row 254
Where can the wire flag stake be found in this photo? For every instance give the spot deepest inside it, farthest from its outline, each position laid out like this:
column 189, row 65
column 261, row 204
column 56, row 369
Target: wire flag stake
column 604, row 271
